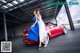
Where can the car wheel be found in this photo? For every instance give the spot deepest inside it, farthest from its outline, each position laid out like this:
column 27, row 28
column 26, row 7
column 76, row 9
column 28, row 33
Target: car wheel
column 48, row 36
column 64, row 30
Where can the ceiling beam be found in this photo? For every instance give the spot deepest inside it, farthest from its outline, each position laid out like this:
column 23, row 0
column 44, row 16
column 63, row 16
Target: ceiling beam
column 20, row 5
column 10, row 21
column 57, row 10
column 14, row 16
column 7, row 1
column 28, row 13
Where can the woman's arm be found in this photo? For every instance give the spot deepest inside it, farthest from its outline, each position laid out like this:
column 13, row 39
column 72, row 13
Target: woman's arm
column 32, row 24
column 37, row 17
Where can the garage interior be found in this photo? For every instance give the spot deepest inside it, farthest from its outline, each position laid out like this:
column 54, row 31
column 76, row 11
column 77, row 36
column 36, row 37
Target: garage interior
column 16, row 15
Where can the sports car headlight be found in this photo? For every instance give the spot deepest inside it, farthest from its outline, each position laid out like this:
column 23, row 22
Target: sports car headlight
column 26, row 34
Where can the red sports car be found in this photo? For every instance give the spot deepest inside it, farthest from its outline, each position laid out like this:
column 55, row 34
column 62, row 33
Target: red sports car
column 52, row 29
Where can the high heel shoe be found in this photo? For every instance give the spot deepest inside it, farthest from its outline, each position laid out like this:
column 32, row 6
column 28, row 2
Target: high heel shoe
column 39, row 48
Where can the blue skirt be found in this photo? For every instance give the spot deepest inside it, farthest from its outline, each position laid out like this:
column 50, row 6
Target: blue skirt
column 33, row 32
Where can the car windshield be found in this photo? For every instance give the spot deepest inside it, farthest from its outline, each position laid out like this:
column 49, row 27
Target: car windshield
column 52, row 23
column 49, row 24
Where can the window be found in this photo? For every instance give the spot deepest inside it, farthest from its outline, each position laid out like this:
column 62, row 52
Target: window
column 75, row 12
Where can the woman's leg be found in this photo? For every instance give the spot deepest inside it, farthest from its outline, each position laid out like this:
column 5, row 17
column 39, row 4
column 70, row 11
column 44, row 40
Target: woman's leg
column 46, row 40
column 40, row 44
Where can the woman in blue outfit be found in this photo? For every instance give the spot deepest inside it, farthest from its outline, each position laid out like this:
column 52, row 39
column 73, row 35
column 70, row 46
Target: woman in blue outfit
column 33, row 33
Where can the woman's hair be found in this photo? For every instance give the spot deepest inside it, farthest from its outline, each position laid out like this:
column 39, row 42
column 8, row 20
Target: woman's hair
column 36, row 10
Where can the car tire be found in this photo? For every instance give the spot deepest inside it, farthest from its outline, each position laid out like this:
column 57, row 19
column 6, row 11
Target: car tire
column 48, row 36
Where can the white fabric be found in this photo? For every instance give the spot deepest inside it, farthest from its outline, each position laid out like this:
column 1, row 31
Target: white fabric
column 42, row 31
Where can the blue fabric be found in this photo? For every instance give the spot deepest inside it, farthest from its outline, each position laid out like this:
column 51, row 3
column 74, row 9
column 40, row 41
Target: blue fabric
column 34, row 31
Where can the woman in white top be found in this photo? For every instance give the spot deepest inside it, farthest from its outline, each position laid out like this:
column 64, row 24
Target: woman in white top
column 43, row 35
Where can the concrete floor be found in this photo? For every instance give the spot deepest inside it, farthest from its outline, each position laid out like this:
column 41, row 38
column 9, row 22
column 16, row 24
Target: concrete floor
column 69, row 43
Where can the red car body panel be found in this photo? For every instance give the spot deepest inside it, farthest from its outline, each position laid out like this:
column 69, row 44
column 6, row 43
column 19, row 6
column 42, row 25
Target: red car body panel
column 52, row 30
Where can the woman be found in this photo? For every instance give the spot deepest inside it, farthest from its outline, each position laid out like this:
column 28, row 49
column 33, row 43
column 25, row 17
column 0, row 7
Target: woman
column 33, row 33
column 43, row 36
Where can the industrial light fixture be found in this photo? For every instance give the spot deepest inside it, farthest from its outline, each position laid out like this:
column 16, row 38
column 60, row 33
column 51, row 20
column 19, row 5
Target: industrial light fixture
column 21, row 0
column 5, row 7
column 15, row 2
column 9, row 4
column 3, row 1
